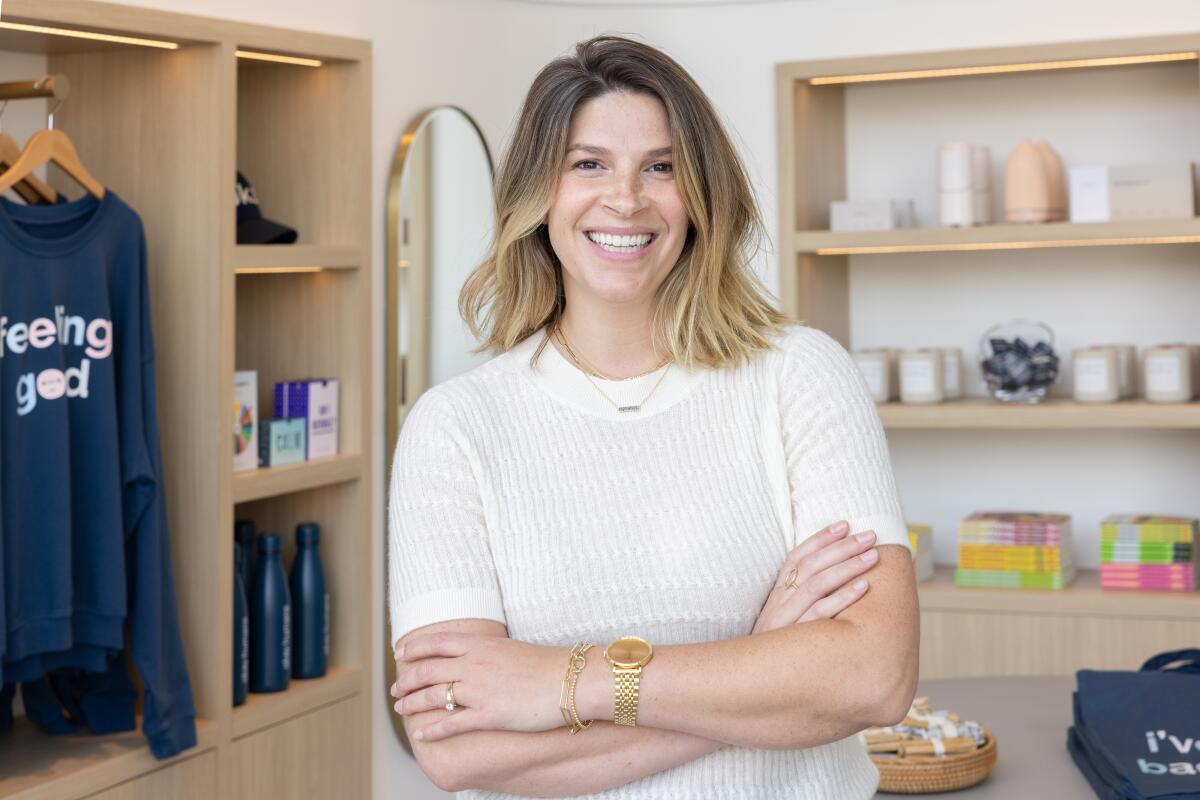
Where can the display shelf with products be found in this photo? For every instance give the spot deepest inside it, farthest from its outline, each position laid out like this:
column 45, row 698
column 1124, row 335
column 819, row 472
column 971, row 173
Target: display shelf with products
column 166, row 128
column 872, row 125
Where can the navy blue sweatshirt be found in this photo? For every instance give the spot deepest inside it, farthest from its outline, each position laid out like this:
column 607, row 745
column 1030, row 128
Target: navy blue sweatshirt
column 85, row 553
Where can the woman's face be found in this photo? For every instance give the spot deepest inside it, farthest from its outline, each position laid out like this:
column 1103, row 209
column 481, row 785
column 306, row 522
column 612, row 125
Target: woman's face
column 618, row 222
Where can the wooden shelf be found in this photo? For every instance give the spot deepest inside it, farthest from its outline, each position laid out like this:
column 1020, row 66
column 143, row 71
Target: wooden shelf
column 283, row 257
column 999, row 237
column 1050, row 414
column 1083, row 597
column 34, row 764
column 274, row 481
column 264, row 710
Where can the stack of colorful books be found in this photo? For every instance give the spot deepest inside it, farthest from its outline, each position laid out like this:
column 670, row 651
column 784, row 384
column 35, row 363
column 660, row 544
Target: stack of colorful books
column 1015, row 550
column 920, row 537
column 1140, row 551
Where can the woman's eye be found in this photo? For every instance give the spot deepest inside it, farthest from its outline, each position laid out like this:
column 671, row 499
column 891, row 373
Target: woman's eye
column 579, row 164
column 667, row 164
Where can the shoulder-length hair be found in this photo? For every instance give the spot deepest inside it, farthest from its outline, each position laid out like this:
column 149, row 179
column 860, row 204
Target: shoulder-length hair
column 711, row 309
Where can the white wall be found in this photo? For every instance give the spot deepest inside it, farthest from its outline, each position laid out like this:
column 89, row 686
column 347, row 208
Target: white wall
column 481, row 55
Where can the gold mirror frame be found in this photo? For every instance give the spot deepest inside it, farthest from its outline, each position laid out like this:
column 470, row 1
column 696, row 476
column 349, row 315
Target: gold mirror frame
column 405, row 385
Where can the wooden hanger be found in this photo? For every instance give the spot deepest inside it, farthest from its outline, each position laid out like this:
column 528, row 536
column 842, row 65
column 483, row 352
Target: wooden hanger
column 30, row 189
column 42, row 148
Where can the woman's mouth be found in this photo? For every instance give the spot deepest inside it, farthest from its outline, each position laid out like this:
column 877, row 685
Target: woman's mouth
column 623, row 247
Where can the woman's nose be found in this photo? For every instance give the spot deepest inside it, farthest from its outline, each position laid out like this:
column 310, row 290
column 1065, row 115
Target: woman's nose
column 625, row 195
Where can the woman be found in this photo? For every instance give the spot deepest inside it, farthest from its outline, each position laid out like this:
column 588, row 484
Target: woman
column 645, row 457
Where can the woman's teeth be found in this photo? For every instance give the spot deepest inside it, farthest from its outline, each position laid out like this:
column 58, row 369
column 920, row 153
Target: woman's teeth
column 620, row 244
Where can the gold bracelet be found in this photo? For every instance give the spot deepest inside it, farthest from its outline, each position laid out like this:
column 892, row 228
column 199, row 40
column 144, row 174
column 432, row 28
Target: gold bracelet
column 566, row 699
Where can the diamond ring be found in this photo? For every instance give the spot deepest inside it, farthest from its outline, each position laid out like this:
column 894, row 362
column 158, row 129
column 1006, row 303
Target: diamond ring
column 450, row 705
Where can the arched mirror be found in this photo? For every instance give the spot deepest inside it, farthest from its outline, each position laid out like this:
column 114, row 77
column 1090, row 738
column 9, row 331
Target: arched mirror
column 439, row 225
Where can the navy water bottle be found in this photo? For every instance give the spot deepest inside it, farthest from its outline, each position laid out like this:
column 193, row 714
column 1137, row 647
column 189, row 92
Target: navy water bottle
column 241, row 632
column 310, row 606
column 243, row 537
column 270, row 620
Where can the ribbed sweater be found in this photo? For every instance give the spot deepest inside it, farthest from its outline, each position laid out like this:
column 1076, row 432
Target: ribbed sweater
column 519, row 494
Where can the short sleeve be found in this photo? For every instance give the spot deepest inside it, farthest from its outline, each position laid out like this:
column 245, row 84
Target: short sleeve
column 836, row 451
column 440, row 564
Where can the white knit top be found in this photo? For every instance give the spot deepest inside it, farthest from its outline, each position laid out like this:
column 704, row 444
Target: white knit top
column 521, row 495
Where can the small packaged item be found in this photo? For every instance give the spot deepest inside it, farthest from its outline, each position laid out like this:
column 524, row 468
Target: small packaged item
column 316, row 402
column 1097, row 374
column 245, row 420
column 878, row 366
column 921, row 377
column 282, row 442
column 1167, row 373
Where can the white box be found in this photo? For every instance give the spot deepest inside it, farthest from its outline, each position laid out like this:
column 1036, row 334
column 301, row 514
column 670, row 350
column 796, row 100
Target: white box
column 245, row 420
column 870, row 215
column 1089, row 194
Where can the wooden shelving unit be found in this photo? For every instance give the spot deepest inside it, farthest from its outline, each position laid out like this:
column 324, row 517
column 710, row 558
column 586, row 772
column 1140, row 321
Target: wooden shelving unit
column 974, row 631
column 166, row 129
column 1049, row 414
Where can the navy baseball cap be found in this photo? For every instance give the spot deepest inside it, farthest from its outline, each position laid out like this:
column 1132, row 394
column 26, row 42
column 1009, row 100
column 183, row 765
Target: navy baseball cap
column 252, row 227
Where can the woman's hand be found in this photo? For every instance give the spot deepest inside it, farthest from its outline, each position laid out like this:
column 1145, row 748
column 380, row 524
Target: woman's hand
column 500, row 683
column 826, row 567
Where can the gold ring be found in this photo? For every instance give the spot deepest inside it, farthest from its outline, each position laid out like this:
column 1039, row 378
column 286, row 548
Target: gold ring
column 450, row 705
column 790, row 580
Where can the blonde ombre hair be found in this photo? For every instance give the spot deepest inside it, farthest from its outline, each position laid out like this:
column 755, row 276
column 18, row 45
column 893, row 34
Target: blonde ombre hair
column 711, row 309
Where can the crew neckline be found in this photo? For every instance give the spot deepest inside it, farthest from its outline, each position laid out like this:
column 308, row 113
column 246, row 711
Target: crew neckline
column 13, row 215
column 557, row 376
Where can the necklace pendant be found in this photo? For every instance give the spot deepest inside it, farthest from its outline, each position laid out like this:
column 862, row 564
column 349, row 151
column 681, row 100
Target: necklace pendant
column 623, row 409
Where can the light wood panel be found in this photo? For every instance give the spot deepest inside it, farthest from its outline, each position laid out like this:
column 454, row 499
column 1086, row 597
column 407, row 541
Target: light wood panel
column 1053, row 414
column 318, row 757
column 995, row 237
column 269, row 482
column 148, row 123
column 264, row 710
column 192, row 779
column 35, row 765
column 961, row 644
column 258, row 256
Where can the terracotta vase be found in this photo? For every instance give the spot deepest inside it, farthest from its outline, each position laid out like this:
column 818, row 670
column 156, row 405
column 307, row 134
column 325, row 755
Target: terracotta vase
column 1026, row 185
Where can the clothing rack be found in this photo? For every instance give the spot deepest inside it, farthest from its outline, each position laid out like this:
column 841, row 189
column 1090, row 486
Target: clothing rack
column 56, row 86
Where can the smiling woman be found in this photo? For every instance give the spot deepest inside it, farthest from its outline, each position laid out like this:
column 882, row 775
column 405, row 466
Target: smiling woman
column 656, row 460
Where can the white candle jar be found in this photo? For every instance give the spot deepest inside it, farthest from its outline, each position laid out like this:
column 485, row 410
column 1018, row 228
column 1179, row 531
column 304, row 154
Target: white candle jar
column 952, row 373
column 1097, row 374
column 1167, row 373
column 1126, row 368
column 921, row 376
column 878, row 366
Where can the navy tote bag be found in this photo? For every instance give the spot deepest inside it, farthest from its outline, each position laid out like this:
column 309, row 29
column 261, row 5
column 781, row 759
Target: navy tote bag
column 1137, row 734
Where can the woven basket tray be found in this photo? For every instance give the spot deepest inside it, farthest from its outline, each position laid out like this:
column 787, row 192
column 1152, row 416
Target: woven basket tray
column 927, row 774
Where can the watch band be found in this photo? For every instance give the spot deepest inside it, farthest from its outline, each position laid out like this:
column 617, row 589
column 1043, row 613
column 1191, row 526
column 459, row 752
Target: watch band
column 625, row 695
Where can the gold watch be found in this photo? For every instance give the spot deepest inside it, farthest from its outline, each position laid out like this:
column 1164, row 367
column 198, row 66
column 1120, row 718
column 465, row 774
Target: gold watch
column 627, row 655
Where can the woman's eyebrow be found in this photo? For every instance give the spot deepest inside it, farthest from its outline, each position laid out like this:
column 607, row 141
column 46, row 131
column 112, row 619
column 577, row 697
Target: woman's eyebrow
column 603, row 151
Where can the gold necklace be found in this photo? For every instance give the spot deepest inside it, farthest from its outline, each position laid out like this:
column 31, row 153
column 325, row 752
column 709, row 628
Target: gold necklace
column 562, row 338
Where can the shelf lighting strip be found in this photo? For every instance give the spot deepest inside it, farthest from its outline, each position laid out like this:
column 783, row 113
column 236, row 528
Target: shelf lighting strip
column 275, row 270
column 99, row 37
column 255, row 55
column 955, row 72
column 964, row 246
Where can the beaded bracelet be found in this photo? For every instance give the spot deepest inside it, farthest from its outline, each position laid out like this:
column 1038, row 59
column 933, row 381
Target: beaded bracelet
column 566, row 700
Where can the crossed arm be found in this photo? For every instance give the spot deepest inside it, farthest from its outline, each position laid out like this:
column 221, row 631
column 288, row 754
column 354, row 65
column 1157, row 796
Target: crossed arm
column 798, row 686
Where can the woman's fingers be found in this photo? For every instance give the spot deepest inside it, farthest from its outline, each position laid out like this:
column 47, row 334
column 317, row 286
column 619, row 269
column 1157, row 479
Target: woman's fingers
column 821, row 539
column 426, row 699
column 834, row 553
column 829, row 607
column 454, row 723
column 828, row 581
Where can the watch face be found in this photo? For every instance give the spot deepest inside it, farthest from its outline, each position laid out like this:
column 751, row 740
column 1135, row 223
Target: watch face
column 630, row 651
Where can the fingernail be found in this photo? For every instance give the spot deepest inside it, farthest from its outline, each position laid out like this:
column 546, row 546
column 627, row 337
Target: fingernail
column 838, row 528
column 392, row 690
column 870, row 555
column 859, row 585
column 419, row 735
column 865, row 536
column 397, row 707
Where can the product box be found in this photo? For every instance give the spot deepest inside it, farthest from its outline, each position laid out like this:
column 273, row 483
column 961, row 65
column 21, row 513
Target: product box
column 315, row 401
column 870, row 215
column 1135, row 191
column 245, row 420
column 282, row 442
